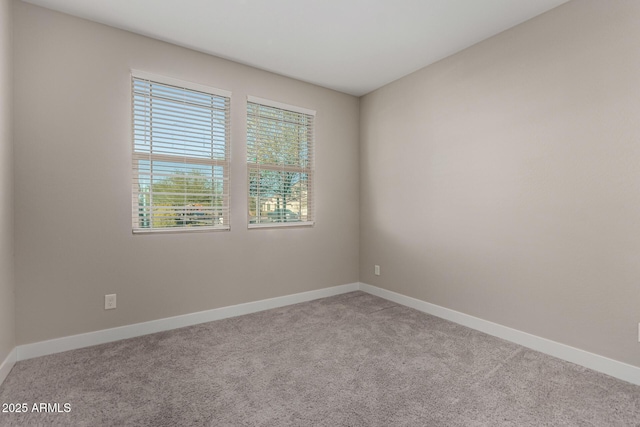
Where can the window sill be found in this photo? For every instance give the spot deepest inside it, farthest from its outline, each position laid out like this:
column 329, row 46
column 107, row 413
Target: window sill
column 282, row 224
column 179, row 230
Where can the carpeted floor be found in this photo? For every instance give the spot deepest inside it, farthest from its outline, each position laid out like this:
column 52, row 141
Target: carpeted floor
column 348, row 360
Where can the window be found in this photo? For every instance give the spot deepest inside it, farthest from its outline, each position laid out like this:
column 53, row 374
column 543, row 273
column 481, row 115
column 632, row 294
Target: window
column 180, row 155
column 280, row 164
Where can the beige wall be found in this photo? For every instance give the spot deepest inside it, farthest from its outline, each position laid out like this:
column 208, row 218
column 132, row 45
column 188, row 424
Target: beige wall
column 504, row 181
column 73, row 189
column 7, row 291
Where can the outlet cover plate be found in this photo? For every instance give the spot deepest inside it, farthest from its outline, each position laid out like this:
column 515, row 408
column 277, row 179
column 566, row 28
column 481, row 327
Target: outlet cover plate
column 110, row 302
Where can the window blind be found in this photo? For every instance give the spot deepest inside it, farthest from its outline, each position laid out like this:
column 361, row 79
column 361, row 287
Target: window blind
column 180, row 155
column 280, row 164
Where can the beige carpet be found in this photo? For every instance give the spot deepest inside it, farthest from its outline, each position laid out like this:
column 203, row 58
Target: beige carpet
column 349, row 360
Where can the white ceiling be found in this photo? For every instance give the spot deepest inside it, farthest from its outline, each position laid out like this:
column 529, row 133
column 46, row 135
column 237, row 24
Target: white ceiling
column 353, row 46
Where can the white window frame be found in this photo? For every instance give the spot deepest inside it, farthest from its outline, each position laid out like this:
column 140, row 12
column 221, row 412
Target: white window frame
column 309, row 171
column 137, row 156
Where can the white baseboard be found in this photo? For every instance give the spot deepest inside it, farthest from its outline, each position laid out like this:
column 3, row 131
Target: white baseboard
column 7, row 364
column 593, row 361
column 42, row 348
column 589, row 360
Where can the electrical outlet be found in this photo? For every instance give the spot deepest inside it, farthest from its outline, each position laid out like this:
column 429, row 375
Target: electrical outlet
column 638, row 332
column 110, row 302
column 376, row 270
